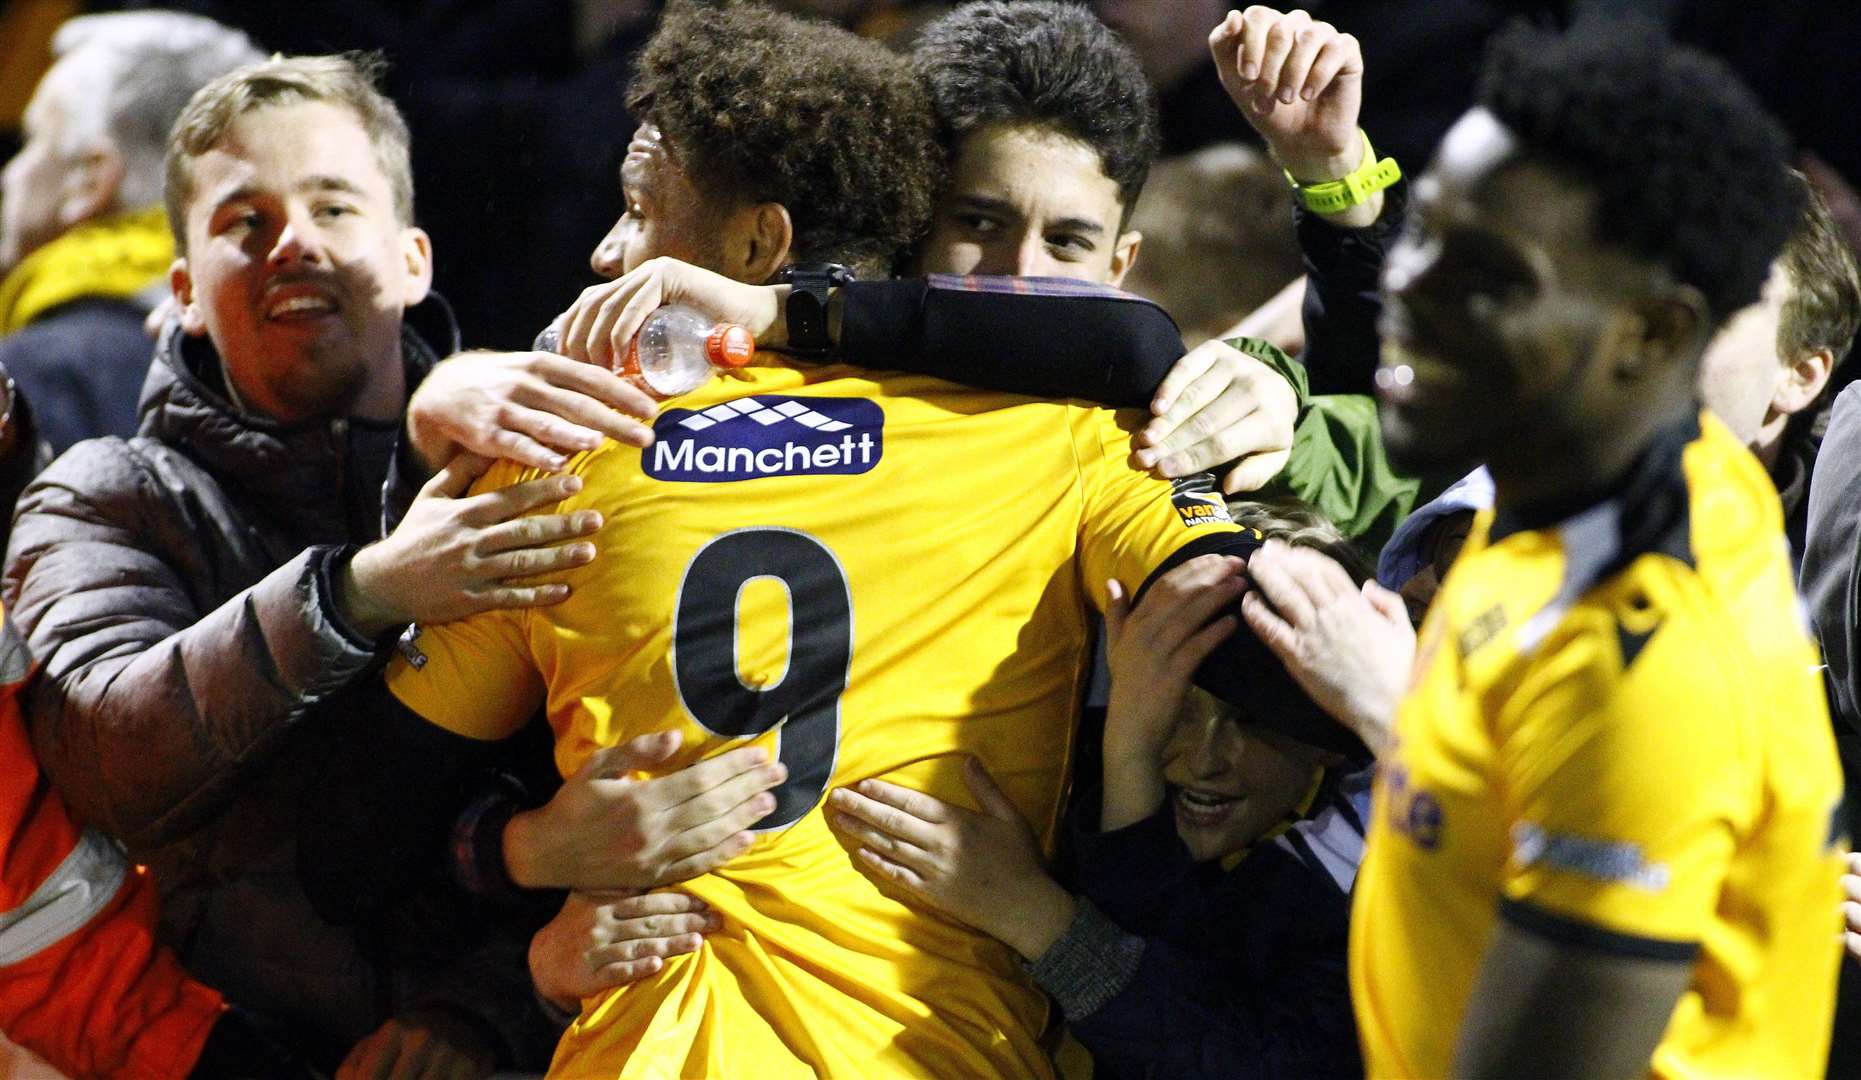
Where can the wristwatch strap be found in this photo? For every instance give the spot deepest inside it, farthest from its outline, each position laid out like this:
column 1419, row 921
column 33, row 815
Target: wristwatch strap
column 1332, row 196
column 806, row 311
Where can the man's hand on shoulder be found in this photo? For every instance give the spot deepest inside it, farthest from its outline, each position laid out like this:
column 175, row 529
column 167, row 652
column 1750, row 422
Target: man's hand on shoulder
column 457, row 554
column 1219, row 405
column 529, row 407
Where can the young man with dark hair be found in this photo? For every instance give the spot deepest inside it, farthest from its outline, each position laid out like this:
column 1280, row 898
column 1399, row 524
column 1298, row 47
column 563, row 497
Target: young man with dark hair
column 758, row 587
column 1051, row 127
column 1593, row 851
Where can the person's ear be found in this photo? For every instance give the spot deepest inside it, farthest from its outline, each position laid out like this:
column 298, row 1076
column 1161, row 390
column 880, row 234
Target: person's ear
column 1664, row 335
column 1803, row 381
column 91, row 185
column 417, row 257
column 759, row 242
column 1123, row 257
column 181, row 283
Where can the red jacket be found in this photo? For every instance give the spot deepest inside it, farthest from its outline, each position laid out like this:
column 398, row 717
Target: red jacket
column 82, row 982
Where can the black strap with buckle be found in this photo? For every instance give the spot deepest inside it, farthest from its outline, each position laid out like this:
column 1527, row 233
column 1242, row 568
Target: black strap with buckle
column 806, row 312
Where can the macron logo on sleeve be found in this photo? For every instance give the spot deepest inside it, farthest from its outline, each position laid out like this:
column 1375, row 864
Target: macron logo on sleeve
column 766, row 435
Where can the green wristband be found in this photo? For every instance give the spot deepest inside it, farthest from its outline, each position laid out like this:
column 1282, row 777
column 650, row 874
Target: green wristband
column 1333, row 196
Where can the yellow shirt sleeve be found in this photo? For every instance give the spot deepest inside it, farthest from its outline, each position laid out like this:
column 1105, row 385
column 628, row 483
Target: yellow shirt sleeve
column 1625, row 791
column 1132, row 521
column 476, row 676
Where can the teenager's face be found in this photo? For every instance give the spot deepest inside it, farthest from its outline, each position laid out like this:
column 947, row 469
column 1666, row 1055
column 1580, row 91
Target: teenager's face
column 1230, row 781
column 297, row 264
column 664, row 212
column 1503, row 310
column 1027, row 202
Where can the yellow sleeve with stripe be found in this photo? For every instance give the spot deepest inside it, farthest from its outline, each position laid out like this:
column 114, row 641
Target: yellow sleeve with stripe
column 1626, row 794
column 1133, row 522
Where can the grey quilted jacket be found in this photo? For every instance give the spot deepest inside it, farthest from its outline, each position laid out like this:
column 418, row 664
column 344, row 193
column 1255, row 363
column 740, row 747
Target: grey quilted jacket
column 176, row 591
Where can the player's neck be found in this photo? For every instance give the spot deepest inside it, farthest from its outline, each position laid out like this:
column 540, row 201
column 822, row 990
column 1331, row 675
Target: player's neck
column 1533, row 491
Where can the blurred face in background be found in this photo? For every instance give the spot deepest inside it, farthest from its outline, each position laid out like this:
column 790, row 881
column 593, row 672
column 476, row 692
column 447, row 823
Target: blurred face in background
column 42, row 191
column 1440, row 543
column 1026, row 201
column 1170, row 37
column 1231, row 780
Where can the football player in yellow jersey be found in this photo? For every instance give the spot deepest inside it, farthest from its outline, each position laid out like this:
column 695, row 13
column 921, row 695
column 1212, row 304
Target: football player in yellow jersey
column 1602, row 839
column 870, row 575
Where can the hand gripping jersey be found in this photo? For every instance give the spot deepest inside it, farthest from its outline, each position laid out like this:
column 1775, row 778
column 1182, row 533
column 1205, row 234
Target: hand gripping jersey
column 875, row 576
column 82, row 982
column 1617, row 740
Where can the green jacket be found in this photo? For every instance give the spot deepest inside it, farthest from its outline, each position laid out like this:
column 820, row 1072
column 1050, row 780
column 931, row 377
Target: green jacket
column 1337, row 462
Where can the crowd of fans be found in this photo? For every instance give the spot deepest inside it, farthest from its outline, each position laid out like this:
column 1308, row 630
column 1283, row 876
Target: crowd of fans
column 1427, row 653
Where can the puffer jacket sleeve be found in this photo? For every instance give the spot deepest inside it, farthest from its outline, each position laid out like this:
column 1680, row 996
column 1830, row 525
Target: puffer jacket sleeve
column 151, row 703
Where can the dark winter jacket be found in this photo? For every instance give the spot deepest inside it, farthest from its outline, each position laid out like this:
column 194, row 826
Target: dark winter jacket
column 177, row 590
column 82, row 366
column 1174, row 968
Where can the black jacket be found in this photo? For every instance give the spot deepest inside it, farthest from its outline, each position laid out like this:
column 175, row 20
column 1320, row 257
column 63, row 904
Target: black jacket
column 81, row 365
column 1195, row 971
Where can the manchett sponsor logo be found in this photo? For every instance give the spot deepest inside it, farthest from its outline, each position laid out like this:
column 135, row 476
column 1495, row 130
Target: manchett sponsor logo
column 767, row 435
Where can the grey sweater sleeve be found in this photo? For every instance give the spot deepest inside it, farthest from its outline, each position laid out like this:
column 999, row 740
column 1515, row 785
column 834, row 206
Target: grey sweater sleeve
column 150, row 706
column 1093, row 962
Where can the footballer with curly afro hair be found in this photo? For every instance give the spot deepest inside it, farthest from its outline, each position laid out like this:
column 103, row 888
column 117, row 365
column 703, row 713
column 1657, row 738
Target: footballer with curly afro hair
column 1679, row 154
column 759, row 107
column 1623, row 678
column 1583, row 231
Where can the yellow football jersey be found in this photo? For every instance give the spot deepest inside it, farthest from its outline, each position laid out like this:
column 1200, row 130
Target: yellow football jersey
column 1617, row 739
column 874, row 576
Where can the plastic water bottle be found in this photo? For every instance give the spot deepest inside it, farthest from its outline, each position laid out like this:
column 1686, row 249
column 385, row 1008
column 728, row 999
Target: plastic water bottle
column 676, row 351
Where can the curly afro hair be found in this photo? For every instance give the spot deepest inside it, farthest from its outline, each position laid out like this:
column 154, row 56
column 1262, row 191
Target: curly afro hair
column 763, row 107
column 1687, row 167
column 1045, row 63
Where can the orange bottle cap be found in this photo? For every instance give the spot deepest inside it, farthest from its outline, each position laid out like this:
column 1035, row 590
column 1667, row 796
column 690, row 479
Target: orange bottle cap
column 729, row 345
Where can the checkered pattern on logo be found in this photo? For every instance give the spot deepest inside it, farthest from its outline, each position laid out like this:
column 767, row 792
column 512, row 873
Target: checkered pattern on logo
column 762, row 414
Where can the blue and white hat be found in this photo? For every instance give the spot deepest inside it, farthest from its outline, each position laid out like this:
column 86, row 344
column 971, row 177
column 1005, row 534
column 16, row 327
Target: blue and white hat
column 1402, row 557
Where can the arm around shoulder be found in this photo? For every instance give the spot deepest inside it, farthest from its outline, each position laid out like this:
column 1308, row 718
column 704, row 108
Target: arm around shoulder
column 1015, row 335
